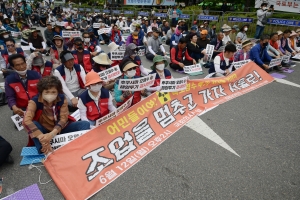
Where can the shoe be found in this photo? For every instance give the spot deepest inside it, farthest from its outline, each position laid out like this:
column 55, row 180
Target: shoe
column 291, row 66
column 47, row 54
column 278, row 68
column 180, row 71
column 9, row 160
column 102, row 42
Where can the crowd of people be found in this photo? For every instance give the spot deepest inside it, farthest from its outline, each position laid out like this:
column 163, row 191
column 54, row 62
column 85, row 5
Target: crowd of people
column 69, row 80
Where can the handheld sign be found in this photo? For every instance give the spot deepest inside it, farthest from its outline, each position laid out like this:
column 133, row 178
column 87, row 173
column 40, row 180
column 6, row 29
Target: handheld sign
column 62, row 139
column 286, row 58
column 96, row 25
column 110, row 73
column 68, row 34
column 76, row 115
column 117, row 55
column 275, row 62
column 15, row 34
column 241, row 63
column 60, row 23
column 221, row 49
column 123, row 47
column 17, row 119
column 238, row 47
column 173, row 85
column 136, row 84
column 192, row 68
column 104, row 30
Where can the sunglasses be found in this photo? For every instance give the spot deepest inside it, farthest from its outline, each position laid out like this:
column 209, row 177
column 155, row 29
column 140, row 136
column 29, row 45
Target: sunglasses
column 134, row 68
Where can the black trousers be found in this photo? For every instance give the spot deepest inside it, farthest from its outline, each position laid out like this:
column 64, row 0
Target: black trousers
column 5, row 149
column 150, row 56
column 177, row 67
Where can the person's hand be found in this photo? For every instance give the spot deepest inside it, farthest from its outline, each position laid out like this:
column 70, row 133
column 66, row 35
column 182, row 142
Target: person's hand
column 281, row 54
column 277, row 56
column 266, row 66
column 227, row 72
column 143, row 92
column 71, row 38
column 74, row 102
column 181, row 65
column 194, row 62
column 126, row 94
column 46, row 148
column 18, row 111
column 45, row 138
column 94, row 53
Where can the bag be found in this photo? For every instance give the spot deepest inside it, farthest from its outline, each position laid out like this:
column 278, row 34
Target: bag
column 264, row 20
column 3, row 99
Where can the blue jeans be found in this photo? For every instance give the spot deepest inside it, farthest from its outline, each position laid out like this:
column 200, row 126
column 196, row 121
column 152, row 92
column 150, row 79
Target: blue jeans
column 71, row 127
column 259, row 31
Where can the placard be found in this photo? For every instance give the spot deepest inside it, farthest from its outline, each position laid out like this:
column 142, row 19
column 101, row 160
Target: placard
column 141, row 51
column 68, row 34
column 143, row 13
column 96, row 25
column 286, row 58
column 192, row 68
column 241, row 63
column 164, row 15
column 18, row 120
column 76, row 115
column 123, row 47
column 136, row 84
column 110, row 73
column 184, row 16
column 60, row 23
column 238, row 47
column 208, row 17
column 15, row 34
column 275, row 62
column 173, row 85
column 62, row 139
column 116, row 11
column 128, row 12
column 104, row 30
column 221, row 49
column 210, row 49
column 97, row 10
column 117, row 55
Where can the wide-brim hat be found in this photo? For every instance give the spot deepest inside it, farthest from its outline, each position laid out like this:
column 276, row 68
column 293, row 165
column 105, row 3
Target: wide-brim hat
column 112, row 46
column 102, row 59
column 279, row 32
column 91, row 78
column 227, row 29
column 69, row 28
column 236, row 27
column 298, row 30
column 293, row 34
column 57, row 37
column 158, row 58
column 129, row 65
column 246, row 43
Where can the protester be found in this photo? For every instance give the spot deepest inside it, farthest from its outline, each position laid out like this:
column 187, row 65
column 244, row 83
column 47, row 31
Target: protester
column 84, row 25
column 154, row 24
column 217, row 42
column 193, row 48
column 170, row 32
column 262, row 14
column 212, row 32
column 47, row 115
column 96, row 102
column 223, row 62
column 133, row 38
column 5, row 150
column 116, row 36
column 56, row 49
column 244, row 53
column 293, row 42
column 69, row 23
column 242, row 35
column 174, row 14
column 274, row 43
column 285, row 47
column 180, row 56
column 81, row 56
column 165, row 28
column 36, row 42
column 226, row 30
column 141, row 34
column 235, row 29
column 155, row 47
column 48, row 34
column 176, row 37
column 202, row 40
column 20, row 86
column 37, row 63
column 90, row 46
column 72, row 77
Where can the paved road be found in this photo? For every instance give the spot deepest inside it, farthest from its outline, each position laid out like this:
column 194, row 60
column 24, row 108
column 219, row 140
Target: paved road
column 254, row 153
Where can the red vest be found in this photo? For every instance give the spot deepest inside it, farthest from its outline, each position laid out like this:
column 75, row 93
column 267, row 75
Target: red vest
column 4, row 54
column 87, row 65
column 77, row 69
column 157, row 78
column 92, row 111
column 56, row 52
column 23, row 95
column 136, row 96
column 47, row 69
column 90, row 48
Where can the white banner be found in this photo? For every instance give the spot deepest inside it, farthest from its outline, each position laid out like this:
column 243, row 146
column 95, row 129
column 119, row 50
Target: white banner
column 192, row 68
column 111, row 115
column 17, row 119
column 60, row 23
column 62, row 139
column 110, row 73
column 123, row 47
column 104, row 30
column 284, row 5
column 68, row 34
column 137, row 84
column 117, row 55
column 239, row 64
column 275, row 62
column 173, row 85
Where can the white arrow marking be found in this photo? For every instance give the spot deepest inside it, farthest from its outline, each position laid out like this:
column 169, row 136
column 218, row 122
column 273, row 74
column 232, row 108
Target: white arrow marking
column 202, row 128
column 287, row 82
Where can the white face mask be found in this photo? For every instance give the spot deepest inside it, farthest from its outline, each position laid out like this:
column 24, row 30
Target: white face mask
column 131, row 73
column 87, row 40
column 96, row 88
column 22, row 73
column 264, row 8
column 160, row 66
column 246, row 29
column 49, row 97
column 6, row 36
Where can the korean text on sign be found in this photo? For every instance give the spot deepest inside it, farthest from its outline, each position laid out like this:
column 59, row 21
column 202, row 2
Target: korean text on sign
column 117, row 55
column 110, row 73
column 275, row 62
column 17, row 119
column 192, row 68
column 104, row 30
column 62, row 139
column 173, row 85
column 68, row 34
column 136, row 84
column 241, row 63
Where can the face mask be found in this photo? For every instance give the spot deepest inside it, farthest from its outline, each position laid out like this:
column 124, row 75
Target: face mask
column 265, row 44
column 80, row 47
column 6, row 36
column 264, row 8
column 22, row 73
column 131, row 73
column 246, row 29
column 96, row 88
column 160, row 66
column 86, row 40
column 49, row 97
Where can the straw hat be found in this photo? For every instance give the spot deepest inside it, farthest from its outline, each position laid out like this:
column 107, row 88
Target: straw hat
column 129, row 65
column 279, row 32
column 69, row 27
column 246, row 43
column 112, row 46
column 226, row 28
column 92, row 78
column 57, row 37
column 293, row 33
column 102, row 59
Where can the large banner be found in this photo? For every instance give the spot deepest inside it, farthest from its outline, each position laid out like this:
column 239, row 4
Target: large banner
column 89, row 163
column 283, row 5
column 150, row 2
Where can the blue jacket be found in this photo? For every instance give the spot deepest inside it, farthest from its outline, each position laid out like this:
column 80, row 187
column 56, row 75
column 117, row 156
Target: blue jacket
column 255, row 56
column 141, row 36
column 175, row 38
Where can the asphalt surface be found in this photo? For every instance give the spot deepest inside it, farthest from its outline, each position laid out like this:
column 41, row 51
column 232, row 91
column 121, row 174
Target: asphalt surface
column 262, row 127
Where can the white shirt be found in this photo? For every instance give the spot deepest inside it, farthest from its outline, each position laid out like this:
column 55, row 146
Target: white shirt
column 71, row 83
column 82, row 108
column 226, row 39
column 217, row 62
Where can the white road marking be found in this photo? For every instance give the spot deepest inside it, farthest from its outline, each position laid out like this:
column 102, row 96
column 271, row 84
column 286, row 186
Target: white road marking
column 202, row 128
column 287, row 82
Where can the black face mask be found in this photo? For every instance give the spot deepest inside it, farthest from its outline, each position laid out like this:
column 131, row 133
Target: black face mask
column 265, row 44
column 80, row 47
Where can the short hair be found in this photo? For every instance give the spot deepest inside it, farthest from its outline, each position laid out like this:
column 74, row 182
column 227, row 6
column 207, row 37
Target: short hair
column 182, row 41
column 48, row 82
column 273, row 34
column 287, row 31
column 264, row 4
column 10, row 40
column 230, row 48
column 12, row 57
column 264, row 37
column 85, row 33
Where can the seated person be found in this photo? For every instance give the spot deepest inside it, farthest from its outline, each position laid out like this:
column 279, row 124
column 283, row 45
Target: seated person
column 89, row 46
column 36, row 42
column 259, row 54
column 56, row 49
column 96, row 101
column 176, row 37
column 293, row 42
column 129, row 70
column 217, row 42
column 5, row 149
column 285, row 47
column 141, row 34
column 72, row 77
column 226, row 31
column 133, row 38
column 81, row 56
column 155, row 47
column 180, row 56
column 244, row 53
column 20, row 87
column 48, row 34
column 169, row 34
column 47, row 115
column 202, row 40
column 116, row 36
column 222, row 62
column 159, row 68
column 194, row 50
column 113, row 47
column 37, row 63
column 241, row 36
column 274, row 43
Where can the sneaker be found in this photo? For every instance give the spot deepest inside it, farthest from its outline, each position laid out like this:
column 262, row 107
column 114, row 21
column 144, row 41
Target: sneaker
column 9, row 160
column 47, row 54
column 180, row 71
column 293, row 66
column 102, row 42
column 278, row 68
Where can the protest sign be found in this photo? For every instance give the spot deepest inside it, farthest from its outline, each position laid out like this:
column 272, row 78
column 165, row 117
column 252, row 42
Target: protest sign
column 104, row 30
column 15, row 34
column 110, row 73
column 60, row 23
column 17, row 119
column 126, row 29
column 141, row 51
column 25, row 48
column 296, row 57
column 192, row 68
column 238, row 47
column 221, row 49
column 136, row 84
column 76, row 115
column 62, row 139
column 117, row 55
column 123, row 47
column 68, row 34
column 100, row 156
column 117, row 112
column 173, row 85
column 286, row 58
column 241, row 63
column 275, row 62
column 209, row 51
column 96, row 25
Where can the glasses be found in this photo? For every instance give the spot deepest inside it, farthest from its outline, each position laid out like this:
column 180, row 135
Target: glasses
column 12, row 45
column 134, row 68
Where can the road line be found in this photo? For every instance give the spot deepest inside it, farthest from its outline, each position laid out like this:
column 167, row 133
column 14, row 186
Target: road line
column 286, row 82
